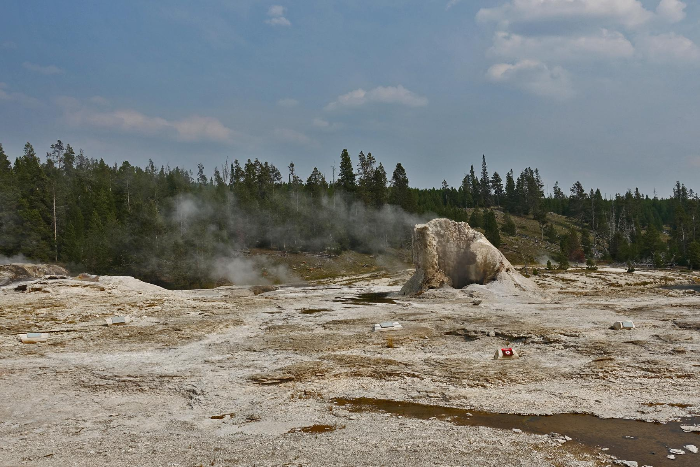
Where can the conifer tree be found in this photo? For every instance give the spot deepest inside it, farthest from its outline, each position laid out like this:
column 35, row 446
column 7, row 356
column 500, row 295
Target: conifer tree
column 485, row 183
column 491, row 230
column 346, row 176
column 9, row 221
column 497, row 187
column 400, row 193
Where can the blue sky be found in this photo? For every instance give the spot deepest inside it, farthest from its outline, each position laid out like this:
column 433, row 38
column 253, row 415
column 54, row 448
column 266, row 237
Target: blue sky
column 601, row 91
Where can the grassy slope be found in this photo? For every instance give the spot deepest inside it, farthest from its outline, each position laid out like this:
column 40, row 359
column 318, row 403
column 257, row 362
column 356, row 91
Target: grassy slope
column 525, row 248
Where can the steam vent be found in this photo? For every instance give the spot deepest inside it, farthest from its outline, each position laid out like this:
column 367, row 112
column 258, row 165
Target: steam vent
column 448, row 253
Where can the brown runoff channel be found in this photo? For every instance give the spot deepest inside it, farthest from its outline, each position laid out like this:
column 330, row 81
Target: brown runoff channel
column 646, row 443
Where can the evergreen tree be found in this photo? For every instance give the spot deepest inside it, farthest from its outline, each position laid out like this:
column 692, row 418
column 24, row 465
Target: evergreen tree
column 485, row 183
column 346, row 177
column 509, row 227
column 34, row 213
column 511, row 194
column 379, row 188
column 476, row 220
column 491, row 228
column 497, row 187
column 400, row 193
column 477, row 194
column 316, row 184
column 9, row 221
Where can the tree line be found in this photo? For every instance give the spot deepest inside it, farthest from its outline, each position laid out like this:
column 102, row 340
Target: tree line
column 167, row 224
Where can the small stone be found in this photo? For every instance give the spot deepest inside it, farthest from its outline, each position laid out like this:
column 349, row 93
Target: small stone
column 692, row 448
column 626, row 463
column 517, row 430
column 492, row 334
column 676, row 451
column 567, row 438
column 671, row 456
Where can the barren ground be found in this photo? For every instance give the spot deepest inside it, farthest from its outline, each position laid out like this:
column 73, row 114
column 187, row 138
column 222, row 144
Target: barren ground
column 222, row 376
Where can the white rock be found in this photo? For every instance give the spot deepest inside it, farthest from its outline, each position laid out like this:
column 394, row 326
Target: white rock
column 517, row 430
column 676, row 451
column 690, row 428
column 623, row 325
column 692, row 448
column 448, row 253
column 626, row 463
column 671, row 456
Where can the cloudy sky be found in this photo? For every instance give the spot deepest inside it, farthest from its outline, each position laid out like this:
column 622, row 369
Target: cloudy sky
column 602, row 91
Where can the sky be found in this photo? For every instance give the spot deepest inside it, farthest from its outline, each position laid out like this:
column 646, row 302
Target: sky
column 606, row 92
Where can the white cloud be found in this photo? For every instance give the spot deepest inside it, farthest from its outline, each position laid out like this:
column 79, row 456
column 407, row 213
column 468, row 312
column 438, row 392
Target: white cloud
column 287, row 102
column 197, row 128
column 276, row 10
column 193, row 128
column 20, row 98
column 325, row 124
column 292, row 136
column 671, row 10
column 630, row 13
column 534, row 77
column 387, row 95
column 604, row 45
column 277, row 18
column 99, row 100
column 452, row 3
column 44, row 70
column 670, row 47
column 8, row 45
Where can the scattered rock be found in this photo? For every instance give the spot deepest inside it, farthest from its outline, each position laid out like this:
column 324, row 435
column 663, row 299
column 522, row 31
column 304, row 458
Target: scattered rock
column 692, row 448
column 33, row 337
column 627, row 325
column 691, row 428
column 388, row 326
column 626, row 463
column 676, row 451
column 671, row 456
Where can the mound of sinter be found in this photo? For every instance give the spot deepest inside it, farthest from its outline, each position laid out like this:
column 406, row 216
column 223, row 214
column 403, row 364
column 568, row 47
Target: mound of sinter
column 448, row 253
column 18, row 272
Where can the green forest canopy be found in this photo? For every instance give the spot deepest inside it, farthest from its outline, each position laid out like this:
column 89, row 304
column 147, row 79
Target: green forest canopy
column 168, row 223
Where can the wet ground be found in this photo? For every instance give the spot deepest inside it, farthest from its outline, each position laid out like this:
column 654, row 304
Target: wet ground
column 646, row 442
column 296, row 376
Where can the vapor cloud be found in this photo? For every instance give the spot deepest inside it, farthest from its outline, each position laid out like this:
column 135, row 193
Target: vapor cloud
column 671, row 10
column 276, row 16
column 219, row 235
column 669, row 48
column 18, row 97
column 192, row 128
column 603, row 45
column 534, row 77
column 386, row 95
column 629, row 13
column 44, row 70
